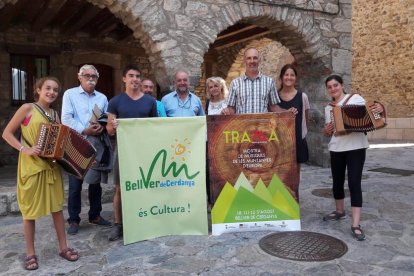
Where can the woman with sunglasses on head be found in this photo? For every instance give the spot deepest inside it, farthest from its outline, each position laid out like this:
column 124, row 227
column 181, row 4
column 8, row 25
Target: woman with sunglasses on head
column 216, row 95
column 347, row 153
column 216, row 101
column 39, row 182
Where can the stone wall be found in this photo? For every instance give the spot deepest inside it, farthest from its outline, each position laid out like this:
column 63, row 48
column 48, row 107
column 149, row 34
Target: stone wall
column 383, row 68
column 63, row 65
column 273, row 57
column 317, row 33
column 178, row 33
column 383, row 51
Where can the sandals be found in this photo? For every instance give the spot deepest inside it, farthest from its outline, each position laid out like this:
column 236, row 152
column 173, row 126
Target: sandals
column 69, row 254
column 31, row 263
column 334, row 216
column 356, row 231
column 358, row 236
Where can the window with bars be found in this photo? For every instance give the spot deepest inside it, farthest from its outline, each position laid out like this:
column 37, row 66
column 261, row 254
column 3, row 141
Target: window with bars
column 25, row 69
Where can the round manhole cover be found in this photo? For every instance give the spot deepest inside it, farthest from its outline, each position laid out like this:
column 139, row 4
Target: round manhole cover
column 303, row 246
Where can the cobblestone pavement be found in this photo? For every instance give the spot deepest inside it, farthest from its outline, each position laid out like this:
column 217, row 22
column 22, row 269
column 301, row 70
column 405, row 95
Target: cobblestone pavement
column 387, row 218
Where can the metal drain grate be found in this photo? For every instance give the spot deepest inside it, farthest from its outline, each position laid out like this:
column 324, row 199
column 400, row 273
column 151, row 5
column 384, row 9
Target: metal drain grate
column 393, row 171
column 303, row 246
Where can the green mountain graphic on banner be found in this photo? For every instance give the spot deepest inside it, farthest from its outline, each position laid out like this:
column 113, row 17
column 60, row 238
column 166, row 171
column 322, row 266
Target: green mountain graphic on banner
column 223, row 203
column 262, row 192
column 248, row 207
column 282, row 198
column 242, row 181
column 245, row 203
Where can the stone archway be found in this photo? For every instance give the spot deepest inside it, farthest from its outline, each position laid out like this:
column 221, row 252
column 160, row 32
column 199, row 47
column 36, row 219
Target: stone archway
column 65, row 52
column 316, row 54
column 177, row 34
column 138, row 16
column 273, row 55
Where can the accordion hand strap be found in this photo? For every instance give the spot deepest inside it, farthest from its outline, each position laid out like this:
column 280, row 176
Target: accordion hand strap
column 383, row 108
column 384, row 113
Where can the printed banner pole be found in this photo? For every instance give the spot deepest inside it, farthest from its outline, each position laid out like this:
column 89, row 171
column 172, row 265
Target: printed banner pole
column 253, row 172
column 162, row 173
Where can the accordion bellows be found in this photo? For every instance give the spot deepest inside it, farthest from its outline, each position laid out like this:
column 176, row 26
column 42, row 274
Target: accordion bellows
column 356, row 118
column 67, row 147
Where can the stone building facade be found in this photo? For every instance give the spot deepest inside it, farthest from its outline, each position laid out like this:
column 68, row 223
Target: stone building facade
column 382, row 65
column 172, row 34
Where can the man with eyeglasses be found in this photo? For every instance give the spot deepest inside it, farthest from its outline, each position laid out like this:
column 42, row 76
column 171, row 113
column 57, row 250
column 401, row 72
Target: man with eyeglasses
column 133, row 103
column 182, row 102
column 77, row 109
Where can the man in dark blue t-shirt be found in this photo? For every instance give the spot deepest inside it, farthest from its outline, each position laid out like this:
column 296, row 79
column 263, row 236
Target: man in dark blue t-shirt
column 133, row 103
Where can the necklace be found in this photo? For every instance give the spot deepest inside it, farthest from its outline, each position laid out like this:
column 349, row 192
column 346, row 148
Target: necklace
column 50, row 115
column 45, row 108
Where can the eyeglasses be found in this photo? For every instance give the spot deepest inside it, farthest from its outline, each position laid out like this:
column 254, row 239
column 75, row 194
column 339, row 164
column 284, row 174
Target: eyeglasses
column 88, row 76
column 185, row 105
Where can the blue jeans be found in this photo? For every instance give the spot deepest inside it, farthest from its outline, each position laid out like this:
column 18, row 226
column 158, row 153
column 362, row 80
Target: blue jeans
column 74, row 199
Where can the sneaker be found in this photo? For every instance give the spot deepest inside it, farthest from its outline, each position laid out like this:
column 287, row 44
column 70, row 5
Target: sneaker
column 116, row 232
column 334, row 216
column 73, row 228
column 100, row 221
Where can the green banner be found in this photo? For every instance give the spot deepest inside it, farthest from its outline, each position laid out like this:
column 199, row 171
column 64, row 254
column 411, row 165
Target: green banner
column 162, row 171
column 253, row 172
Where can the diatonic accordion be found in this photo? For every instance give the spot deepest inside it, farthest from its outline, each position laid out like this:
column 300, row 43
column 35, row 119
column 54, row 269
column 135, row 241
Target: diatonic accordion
column 356, row 118
column 67, row 147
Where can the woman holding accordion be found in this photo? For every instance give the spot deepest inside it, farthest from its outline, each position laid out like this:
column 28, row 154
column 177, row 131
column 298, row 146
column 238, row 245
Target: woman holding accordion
column 347, row 152
column 39, row 182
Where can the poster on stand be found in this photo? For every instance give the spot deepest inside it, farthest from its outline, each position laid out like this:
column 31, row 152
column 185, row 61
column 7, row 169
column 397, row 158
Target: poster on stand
column 162, row 176
column 253, row 172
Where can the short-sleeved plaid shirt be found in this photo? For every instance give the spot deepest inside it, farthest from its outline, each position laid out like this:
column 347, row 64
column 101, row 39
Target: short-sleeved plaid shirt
column 252, row 96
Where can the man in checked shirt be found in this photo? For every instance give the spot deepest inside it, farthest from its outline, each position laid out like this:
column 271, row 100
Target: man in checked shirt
column 252, row 92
